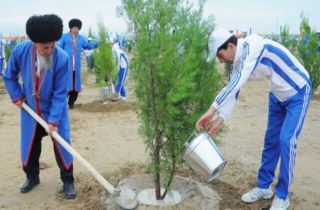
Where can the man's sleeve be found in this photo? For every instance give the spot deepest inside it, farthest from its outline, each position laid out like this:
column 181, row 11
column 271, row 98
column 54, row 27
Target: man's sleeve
column 61, row 42
column 226, row 99
column 60, row 90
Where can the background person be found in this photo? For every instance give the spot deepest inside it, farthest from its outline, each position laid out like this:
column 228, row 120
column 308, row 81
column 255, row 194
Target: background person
column 2, row 55
column 89, row 57
column 123, row 66
column 73, row 43
column 44, row 72
column 244, row 33
column 290, row 92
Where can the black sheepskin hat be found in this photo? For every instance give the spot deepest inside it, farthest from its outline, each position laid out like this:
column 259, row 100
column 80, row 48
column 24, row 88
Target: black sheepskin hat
column 44, row 28
column 75, row 23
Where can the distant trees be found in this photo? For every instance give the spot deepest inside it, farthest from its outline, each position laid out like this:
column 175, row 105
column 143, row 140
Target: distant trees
column 287, row 41
column 308, row 49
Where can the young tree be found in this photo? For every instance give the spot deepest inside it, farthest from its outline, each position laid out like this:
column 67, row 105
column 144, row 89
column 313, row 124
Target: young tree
column 286, row 40
column 173, row 81
column 308, row 50
column 9, row 47
column 90, row 33
column 104, row 63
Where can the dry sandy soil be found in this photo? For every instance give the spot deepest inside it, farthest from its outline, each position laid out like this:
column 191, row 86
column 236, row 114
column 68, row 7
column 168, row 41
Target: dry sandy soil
column 106, row 135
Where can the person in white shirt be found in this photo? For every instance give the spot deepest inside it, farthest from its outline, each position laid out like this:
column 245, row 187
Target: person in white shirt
column 88, row 54
column 2, row 56
column 123, row 67
column 290, row 92
column 244, row 33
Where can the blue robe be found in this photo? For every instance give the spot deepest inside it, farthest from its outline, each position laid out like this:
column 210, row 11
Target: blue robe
column 81, row 44
column 53, row 96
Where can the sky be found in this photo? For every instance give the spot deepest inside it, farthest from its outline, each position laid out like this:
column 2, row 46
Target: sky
column 261, row 16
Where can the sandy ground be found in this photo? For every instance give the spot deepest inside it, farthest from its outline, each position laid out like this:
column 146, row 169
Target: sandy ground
column 106, row 135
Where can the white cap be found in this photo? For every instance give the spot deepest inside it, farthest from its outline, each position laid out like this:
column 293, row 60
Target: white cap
column 216, row 40
column 90, row 39
column 244, row 30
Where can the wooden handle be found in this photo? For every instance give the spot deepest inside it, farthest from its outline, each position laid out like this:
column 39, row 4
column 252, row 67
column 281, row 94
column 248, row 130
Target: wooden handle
column 74, row 153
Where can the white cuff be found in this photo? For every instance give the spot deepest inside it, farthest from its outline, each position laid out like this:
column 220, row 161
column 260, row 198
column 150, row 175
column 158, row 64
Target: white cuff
column 223, row 116
column 215, row 105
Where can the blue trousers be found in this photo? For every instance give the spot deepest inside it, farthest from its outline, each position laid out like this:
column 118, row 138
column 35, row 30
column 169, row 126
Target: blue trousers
column 120, row 85
column 32, row 169
column 285, row 121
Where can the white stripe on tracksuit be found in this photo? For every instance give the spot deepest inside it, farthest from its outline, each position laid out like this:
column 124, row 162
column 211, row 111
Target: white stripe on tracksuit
column 290, row 91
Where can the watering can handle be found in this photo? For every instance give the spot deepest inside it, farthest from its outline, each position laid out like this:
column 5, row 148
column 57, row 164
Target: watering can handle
column 74, row 153
column 196, row 133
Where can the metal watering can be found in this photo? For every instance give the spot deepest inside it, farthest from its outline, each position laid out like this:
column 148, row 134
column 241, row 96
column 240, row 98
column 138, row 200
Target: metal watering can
column 203, row 156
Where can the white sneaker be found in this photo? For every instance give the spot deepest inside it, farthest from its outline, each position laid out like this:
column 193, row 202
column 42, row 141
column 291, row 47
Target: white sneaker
column 257, row 194
column 280, row 204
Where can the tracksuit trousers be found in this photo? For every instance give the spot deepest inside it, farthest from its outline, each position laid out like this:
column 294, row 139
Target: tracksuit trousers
column 285, row 121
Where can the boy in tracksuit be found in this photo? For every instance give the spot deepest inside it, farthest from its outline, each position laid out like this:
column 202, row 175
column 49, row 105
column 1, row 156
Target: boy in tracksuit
column 123, row 66
column 290, row 92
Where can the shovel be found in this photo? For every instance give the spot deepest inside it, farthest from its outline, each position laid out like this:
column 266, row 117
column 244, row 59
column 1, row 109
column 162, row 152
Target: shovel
column 125, row 197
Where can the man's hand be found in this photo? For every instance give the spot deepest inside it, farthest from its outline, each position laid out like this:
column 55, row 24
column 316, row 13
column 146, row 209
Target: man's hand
column 19, row 103
column 205, row 119
column 51, row 128
column 215, row 126
column 205, row 122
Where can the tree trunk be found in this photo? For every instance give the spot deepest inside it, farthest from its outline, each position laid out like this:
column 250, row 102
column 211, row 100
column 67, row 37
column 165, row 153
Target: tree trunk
column 157, row 180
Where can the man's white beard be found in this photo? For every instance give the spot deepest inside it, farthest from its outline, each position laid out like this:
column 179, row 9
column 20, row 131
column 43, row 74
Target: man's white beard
column 44, row 62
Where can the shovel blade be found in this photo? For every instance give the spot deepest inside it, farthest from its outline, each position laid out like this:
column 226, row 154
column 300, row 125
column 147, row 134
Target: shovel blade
column 127, row 199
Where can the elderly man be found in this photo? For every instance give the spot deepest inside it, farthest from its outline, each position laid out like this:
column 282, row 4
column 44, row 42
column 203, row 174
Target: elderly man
column 73, row 43
column 44, row 71
column 290, row 92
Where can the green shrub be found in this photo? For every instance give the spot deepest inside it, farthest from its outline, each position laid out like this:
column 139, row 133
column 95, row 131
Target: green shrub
column 308, row 51
column 288, row 41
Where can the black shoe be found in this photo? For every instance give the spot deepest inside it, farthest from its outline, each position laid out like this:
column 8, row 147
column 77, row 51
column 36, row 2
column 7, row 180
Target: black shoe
column 29, row 185
column 69, row 191
column 71, row 106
